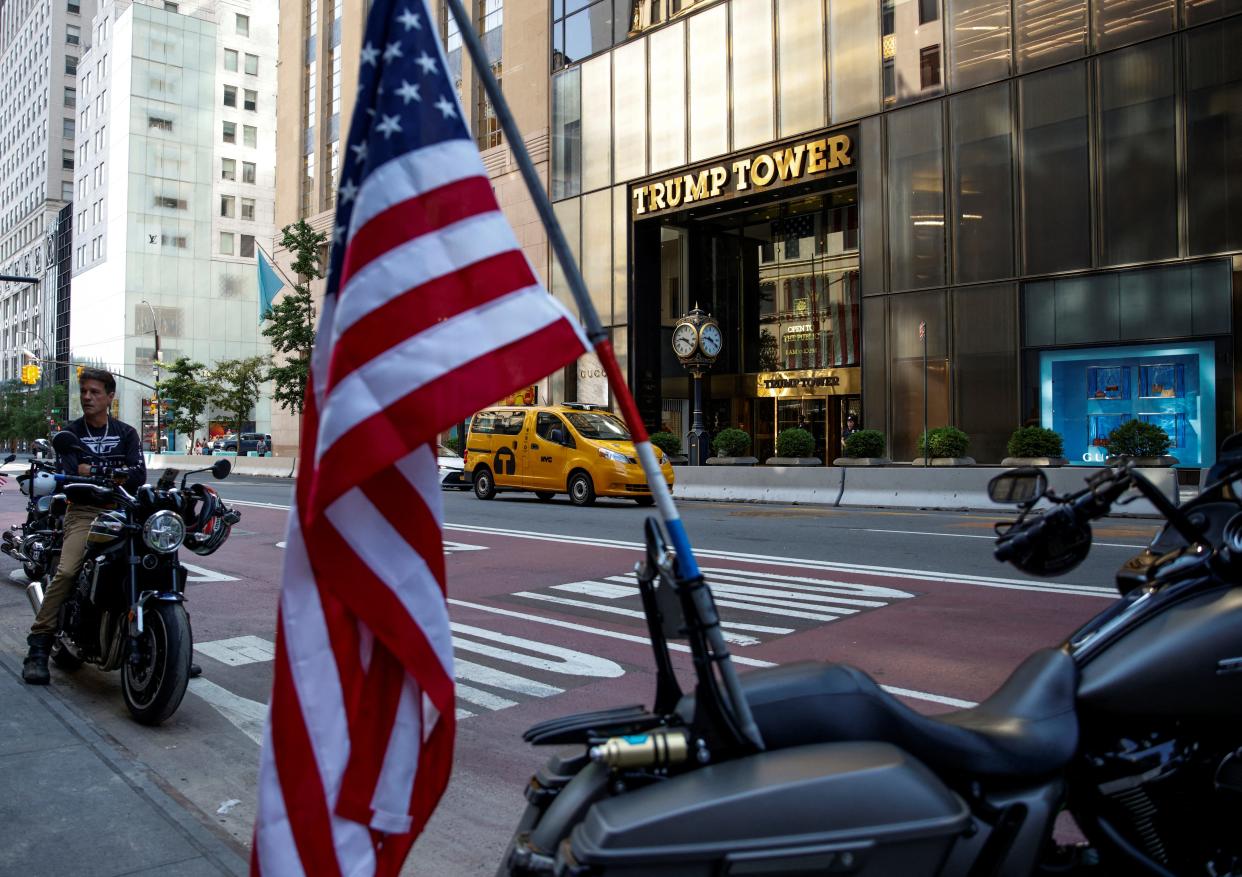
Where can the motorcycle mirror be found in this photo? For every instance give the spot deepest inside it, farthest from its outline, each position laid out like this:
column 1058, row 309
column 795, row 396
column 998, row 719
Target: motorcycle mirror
column 65, row 442
column 1057, row 553
column 1018, row 486
column 10, row 458
column 221, row 468
column 43, row 446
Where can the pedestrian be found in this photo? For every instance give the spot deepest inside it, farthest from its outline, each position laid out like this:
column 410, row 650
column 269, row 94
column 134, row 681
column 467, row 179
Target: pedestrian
column 851, row 427
column 260, row 447
column 198, row 447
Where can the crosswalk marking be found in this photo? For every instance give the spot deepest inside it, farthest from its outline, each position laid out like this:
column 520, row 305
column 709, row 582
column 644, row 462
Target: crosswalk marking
column 238, row 651
column 597, row 589
column 735, row 638
column 202, row 574
column 458, row 547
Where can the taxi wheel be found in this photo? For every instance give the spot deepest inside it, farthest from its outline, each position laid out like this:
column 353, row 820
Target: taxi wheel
column 545, row 495
column 581, row 490
column 484, row 484
column 645, row 500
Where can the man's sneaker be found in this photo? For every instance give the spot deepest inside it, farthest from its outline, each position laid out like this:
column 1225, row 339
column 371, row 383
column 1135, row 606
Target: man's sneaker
column 34, row 668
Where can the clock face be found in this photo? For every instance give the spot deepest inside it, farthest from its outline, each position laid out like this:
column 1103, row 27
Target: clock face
column 684, row 340
column 710, row 340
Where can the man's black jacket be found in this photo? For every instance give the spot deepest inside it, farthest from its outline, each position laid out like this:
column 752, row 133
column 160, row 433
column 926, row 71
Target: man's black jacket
column 115, row 445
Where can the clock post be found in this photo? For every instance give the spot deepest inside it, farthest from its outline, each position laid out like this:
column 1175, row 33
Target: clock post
column 697, row 340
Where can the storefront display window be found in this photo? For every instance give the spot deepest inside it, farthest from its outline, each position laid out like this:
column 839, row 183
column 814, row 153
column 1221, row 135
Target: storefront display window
column 1089, row 393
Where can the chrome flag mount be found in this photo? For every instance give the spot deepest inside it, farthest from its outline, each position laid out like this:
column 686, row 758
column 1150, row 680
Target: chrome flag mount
column 431, row 312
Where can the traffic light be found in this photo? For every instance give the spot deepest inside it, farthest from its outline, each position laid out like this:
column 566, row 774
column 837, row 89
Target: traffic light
column 30, row 373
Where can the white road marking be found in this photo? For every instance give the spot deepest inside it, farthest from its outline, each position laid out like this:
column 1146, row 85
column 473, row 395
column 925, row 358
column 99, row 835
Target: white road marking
column 557, row 660
column 600, row 589
column 485, row 699
column 500, row 679
column 824, row 585
column 248, row 716
column 239, row 650
column 736, row 639
column 977, row 536
column 809, row 563
column 679, row 647
column 280, row 544
column 202, row 574
column 455, row 547
column 226, row 806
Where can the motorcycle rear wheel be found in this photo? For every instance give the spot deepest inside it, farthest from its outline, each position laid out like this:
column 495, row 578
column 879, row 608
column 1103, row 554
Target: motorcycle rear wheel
column 33, row 571
column 154, row 688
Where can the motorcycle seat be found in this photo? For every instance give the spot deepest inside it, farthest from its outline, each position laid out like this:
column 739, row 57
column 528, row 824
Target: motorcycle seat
column 1027, row 728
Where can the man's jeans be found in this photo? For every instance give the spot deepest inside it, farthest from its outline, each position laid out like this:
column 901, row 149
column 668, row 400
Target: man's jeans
column 78, row 520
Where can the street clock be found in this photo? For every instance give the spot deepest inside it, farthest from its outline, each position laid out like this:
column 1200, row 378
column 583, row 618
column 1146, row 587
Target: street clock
column 697, row 340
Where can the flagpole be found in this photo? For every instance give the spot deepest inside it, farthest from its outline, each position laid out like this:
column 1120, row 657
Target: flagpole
column 687, row 566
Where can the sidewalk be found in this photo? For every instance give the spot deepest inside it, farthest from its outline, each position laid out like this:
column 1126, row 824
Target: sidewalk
column 75, row 803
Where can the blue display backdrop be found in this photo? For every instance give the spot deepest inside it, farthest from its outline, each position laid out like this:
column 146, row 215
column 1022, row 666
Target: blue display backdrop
column 1088, row 393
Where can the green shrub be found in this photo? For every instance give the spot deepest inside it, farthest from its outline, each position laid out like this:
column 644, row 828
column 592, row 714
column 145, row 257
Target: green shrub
column 944, row 441
column 795, row 442
column 1035, row 441
column 667, row 442
column 453, row 444
column 731, row 443
column 1137, row 438
column 865, row 443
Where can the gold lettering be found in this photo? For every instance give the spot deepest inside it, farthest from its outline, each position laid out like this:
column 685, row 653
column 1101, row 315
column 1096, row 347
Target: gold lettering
column 672, row 192
column 815, row 156
column 838, row 149
column 789, row 162
column 763, row 171
column 741, row 167
column 640, row 195
column 657, row 196
column 696, row 189
column 719, row 175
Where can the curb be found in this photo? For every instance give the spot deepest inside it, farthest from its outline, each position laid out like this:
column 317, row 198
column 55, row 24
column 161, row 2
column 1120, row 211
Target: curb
column 220, row 852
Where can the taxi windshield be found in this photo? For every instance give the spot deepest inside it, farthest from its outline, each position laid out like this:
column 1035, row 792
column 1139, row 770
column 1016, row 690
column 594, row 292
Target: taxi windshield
column 599, row 426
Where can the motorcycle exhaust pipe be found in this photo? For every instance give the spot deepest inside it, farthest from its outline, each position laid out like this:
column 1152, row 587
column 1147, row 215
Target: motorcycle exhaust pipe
column 34, row 593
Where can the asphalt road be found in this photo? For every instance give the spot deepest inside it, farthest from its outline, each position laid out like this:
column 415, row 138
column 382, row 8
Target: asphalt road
column 545, row 623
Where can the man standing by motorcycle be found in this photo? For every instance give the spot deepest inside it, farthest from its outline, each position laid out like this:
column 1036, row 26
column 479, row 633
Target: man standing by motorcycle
column 106, row 443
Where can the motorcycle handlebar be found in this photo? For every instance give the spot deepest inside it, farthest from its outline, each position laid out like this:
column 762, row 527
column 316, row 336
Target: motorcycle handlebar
column 1095, row 501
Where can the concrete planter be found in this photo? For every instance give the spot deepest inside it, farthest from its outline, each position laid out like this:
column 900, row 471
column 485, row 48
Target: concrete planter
column 1147, row 462
column 945, row 461
column 732, row 461
column 677, row 459
column 862, row 461
column 1034, row 461
column 793, row 461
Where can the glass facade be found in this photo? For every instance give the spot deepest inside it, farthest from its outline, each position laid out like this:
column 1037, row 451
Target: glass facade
column 1022, row 180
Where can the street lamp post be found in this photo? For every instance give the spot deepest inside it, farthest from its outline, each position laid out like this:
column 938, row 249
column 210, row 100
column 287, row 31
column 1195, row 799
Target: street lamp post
column 26, row 351
column 155, row 374
column 696, row 342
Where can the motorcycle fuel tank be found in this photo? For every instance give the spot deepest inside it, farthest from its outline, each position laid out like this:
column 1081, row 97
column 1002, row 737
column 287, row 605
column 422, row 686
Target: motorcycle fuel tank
column 1184, row 662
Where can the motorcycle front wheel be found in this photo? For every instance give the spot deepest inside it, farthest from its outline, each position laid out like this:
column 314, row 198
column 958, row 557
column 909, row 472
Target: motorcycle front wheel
column 154, row 684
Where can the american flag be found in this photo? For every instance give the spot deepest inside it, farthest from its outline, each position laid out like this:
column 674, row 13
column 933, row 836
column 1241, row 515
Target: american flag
column 431, row 313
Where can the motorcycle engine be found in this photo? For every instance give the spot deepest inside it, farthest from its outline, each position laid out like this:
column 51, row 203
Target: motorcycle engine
column 1177, row 798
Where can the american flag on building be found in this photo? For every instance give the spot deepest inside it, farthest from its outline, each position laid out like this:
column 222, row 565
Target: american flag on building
column 431, row 313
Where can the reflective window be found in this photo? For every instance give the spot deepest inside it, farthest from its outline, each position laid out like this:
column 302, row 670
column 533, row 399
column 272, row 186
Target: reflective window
column 984, row 347
column 1118, row 22
column 915, row 198
column 667, row 59
column 905, row 313
column 871, row 205
column 1214, row 137
column 629, row 107
column 588, row 31
column 752, row 73
column 1138, row 154
column 569, row 215
column 597, row 257
column 597, row 124
column 620, row 255
column 1198, row 11
column 978, row 35
column 708, row 86
column 981, row 144
column 1049, row 31
column 566, row 134
column 910, row 44
column 854, row 34
column 1056, row 178
column 800, row 52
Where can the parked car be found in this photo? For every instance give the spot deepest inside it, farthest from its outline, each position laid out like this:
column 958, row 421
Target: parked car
column 450, row 465
column 250, row 441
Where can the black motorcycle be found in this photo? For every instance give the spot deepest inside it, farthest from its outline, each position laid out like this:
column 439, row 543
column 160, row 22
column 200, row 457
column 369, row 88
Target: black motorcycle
column 35, row 543
column 1132, row 725
column 127, row 610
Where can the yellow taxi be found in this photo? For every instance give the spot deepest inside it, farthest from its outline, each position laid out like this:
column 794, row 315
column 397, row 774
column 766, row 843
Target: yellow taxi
column 582, row 450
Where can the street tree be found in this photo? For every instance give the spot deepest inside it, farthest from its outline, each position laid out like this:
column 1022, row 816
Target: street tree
column 186, row 391
column 235, row 387
column 291, row 321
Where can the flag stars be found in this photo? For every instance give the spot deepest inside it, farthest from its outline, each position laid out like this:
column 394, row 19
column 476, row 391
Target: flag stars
column 389, row 125
column 408, row 92
column 370, row 54
column 411, row 20
column 338, row 234
column 392, row 51
column 349, row 191
column 445, row 106
column 427, row 63
column 360, row 152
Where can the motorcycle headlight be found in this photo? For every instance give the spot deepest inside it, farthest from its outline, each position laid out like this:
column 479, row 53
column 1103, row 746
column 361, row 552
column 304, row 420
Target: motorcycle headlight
column 164, row 532
column 613, row 455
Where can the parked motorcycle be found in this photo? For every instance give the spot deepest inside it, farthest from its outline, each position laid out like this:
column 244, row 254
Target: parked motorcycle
column 1132, row 725
column 36, row 542
column 126, row 612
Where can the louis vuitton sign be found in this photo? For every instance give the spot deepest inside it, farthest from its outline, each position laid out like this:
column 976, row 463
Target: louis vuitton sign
column 768, row 169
